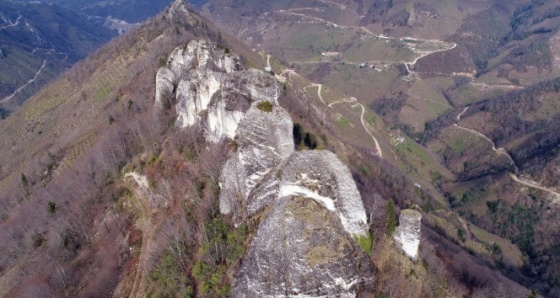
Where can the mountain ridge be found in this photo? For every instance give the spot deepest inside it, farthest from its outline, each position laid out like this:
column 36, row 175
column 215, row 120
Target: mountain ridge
column 113, row 182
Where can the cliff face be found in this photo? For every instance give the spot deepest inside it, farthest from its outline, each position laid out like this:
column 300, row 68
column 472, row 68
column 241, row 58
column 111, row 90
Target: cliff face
column 210, row 88
column 407, row 235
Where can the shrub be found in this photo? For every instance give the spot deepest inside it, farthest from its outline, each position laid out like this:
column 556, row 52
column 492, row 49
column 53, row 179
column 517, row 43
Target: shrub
column 391, row 217
column 24, row 180
column 304, row 140
column 364, row 241
column 152, row 160
column 162, row 62
column 310, row 141
column 265, row 106
column 51, row 207
column 168, row 279
column 224, row 247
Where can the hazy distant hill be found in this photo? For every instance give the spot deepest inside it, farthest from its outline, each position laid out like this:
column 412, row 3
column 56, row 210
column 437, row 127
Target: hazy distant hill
column 58, row 33
column 131, row 11
column 37, row 42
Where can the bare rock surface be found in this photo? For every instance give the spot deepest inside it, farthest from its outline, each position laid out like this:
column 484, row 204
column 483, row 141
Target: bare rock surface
column 305, row 245
column 264, row 139
column 302, row 250
column 317, row 175
column 210, row 88
column 407, row 234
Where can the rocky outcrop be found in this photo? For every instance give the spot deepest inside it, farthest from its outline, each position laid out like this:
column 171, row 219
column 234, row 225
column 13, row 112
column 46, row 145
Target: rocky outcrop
column 310, row 212
column 264, row 139
column 210, row 88
column 407, row 235
column 178, row 7
column 319, row 176
column 302, row 249
column 305, row 245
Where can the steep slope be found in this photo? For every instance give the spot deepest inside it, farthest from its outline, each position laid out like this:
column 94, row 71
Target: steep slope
column 314, row 176
column 68, row 219
column 309, row 207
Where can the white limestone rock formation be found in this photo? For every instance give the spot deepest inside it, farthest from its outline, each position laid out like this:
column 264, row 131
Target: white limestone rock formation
column 305, row 245
column 301, row 249
column 310, row 208
column 264, row 139
column 210, row 88
column 307, row 203
column 407, row 235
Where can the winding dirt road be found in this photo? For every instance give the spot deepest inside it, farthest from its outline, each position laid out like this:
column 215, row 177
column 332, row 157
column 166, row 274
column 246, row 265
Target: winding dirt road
column 556, row 195
column 556, row 198
column 462, row 113
column 348, row 100
column 319, row 88
column 500, row 86
column 344, row 100
column 367, row 130
column 497, row 150
column 268, row 61
column 26, row 84
column 11, row 24
column 424, row 54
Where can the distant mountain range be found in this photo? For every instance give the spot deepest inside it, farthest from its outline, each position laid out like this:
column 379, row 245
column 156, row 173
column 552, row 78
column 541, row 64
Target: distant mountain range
column 40, row 39
column 132, row 11
column 37, row 42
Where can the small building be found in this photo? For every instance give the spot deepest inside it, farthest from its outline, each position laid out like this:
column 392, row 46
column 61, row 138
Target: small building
column 268, row 69
column 363, row 65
